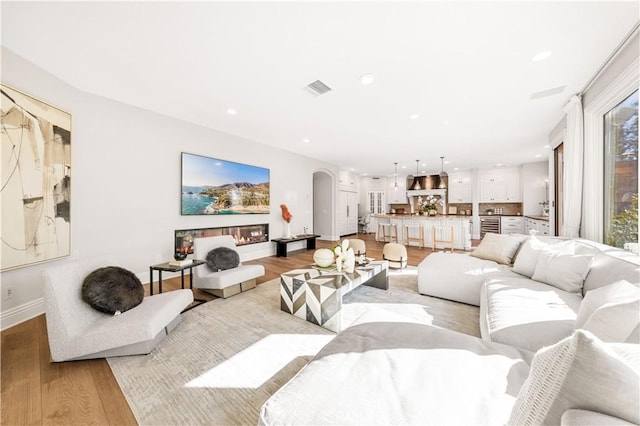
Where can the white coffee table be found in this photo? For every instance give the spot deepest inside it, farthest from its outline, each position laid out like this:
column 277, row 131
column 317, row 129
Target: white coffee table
column 315, row 294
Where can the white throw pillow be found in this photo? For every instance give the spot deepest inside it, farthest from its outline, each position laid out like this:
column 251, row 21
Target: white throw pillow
column 497, row 247
column 580, row 372
column 527, row 258
column 611, row 312
column 562, row 270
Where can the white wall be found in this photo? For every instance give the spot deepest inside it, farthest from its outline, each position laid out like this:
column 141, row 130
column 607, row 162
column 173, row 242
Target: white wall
column 126, row 183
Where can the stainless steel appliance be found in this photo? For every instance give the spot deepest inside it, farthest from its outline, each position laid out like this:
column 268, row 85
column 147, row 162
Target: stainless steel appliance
column 489, row 224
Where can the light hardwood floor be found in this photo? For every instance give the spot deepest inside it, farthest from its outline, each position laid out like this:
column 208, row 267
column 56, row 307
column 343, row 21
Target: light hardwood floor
column 37, row 391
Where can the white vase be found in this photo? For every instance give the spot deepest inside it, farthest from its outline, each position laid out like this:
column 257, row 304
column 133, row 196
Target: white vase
column 350, row 262
column 287, row 230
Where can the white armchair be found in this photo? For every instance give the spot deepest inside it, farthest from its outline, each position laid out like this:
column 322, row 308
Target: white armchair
column 78, row 331
column 223, row 283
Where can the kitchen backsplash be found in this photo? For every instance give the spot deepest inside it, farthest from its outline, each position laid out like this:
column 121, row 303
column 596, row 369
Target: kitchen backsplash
column 461, row 208
column 508, row 209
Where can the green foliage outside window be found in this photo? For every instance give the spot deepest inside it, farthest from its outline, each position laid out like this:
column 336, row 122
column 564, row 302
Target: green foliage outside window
column 624, row 226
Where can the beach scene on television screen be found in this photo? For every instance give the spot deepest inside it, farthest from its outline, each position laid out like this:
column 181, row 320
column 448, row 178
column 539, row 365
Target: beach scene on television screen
column 213, row 187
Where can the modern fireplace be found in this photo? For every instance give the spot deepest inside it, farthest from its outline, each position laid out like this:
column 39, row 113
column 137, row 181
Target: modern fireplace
column 243, row 235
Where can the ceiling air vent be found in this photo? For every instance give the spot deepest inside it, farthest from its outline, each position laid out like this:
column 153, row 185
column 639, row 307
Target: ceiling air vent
column 318, row 87
column 547, row 92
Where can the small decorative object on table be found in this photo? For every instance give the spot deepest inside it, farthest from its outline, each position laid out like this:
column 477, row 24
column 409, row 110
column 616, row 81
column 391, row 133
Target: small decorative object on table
column 182, row 262
column 345, row 257
column 286, row 216
column 323, row 257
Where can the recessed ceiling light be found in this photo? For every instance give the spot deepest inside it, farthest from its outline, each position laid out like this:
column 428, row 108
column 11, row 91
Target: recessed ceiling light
column 538, row 156
column 446, row 162
column 424, row 165
column 231, row 111
column 365, row 174
column 445, row 122
column 352, row 169
column 546, row 147
column 305, row 140
column 414, row 116
column 499, row 165
column 541, row 55
column 423, row 171
column 403, row 167
column 456, row 168
column 366, row 79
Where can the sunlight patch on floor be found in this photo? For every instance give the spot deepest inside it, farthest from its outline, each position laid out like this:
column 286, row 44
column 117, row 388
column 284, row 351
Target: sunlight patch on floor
column 407, row 312
column 409, row 270
column 253, row 366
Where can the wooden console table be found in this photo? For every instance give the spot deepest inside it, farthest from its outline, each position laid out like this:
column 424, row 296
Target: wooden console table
column 281, row 243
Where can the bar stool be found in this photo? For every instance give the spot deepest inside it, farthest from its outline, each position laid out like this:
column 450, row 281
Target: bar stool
column 388, row 231
column 438, row 235
column 419, row 239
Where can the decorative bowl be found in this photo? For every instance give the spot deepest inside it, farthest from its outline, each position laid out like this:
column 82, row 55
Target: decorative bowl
column 180, row 256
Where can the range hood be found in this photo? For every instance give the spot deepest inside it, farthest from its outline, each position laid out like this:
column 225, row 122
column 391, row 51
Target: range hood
column 417, row 183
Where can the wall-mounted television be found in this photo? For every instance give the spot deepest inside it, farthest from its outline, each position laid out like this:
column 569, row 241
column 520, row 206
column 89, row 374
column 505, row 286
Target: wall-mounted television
column 211, row 186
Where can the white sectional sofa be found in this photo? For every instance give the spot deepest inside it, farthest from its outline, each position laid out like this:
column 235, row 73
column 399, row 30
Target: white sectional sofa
column 515, row 308
column 387, row 369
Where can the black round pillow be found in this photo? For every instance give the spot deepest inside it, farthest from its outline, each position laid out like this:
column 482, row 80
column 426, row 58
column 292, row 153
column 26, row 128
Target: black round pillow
column 112, row 289
column 222, row 258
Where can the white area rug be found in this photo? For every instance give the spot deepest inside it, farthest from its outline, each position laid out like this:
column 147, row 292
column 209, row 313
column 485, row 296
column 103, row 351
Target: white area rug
column 228, row 356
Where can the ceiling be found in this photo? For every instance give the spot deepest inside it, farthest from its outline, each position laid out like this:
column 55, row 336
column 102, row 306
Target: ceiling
column 464, row 67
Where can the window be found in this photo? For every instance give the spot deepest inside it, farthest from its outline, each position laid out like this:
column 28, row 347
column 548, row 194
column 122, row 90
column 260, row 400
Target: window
column 621, row 173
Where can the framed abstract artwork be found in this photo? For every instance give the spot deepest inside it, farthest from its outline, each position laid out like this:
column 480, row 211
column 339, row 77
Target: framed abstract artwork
column 211, row 186
column 36, row 180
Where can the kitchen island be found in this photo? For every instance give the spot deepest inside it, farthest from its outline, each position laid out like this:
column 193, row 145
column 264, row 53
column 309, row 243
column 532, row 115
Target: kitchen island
column 461, row 228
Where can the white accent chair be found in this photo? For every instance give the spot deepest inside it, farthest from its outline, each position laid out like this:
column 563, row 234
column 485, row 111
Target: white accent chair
column 223, row 283
column 78, row 331
column 396, row 254
column 358, row 246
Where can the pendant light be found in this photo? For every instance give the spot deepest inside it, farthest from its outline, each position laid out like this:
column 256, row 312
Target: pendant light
column 443, row 174
column 417, row 184
column 395, row 176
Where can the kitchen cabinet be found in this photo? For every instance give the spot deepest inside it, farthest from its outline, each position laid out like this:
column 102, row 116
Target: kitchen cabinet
column 460, row 187
column 398, row 196
column 347, row 181
column 347, row 217
column 539, row 226
column 511, row 225
column 500, row 185
column 376, row 202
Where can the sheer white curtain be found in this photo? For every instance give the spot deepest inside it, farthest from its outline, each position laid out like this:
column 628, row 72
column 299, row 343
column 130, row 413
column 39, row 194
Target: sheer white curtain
column 573, row 168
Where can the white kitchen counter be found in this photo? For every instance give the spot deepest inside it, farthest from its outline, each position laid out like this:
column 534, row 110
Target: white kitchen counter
column 461, row 227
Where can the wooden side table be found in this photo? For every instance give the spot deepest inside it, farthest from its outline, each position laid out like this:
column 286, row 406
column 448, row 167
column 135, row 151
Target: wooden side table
column 166, row 266
column 281, row 243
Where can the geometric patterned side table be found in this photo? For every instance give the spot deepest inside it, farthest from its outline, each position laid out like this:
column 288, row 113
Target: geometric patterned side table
column 315, row 295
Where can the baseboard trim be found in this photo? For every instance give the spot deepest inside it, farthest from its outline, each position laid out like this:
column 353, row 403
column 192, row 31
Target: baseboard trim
column 22, row 313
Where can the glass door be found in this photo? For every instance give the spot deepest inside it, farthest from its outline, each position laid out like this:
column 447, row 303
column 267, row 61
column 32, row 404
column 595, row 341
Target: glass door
column 558, row 155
